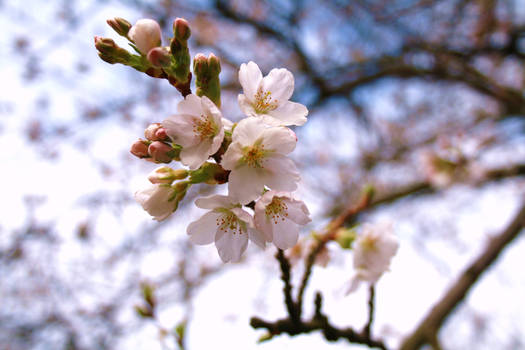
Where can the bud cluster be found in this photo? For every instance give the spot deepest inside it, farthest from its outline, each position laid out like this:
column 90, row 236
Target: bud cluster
column 170, row 62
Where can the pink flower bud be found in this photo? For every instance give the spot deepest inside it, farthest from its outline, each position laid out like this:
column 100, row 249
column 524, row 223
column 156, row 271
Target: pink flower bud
column 214, row 65
column 161, row 134
column 181, row 29
column 146, row 35
column 140, row 149
column 159, row 151
column 200, row 64
column 150, row 131
column 119, row 25
column 159, row 57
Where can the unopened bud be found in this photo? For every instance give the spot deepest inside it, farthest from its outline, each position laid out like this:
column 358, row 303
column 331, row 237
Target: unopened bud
column 140, row 149
column 159, row 151
column 150, row 131
column 119, row 25
column 214, row 64
column 200, row 64
column 166, row 175
column 181, row 186
column 181, row 29
column 105, row 45
column 161, row 134
column 146, row 35
column 345, row 237
column 148, row 291
column 159, row 57
column 143, row 311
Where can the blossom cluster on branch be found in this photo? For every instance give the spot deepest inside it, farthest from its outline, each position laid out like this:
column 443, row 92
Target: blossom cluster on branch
column 251, row 156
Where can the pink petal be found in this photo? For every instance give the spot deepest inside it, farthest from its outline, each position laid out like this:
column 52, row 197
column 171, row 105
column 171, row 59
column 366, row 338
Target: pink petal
column 203, row 230
column 231, row 246
column 190, row 105
column 214, row 201
column 285, row 233
column 231, row 157
column 248, row 131
column 246, row 184
column 195, row 156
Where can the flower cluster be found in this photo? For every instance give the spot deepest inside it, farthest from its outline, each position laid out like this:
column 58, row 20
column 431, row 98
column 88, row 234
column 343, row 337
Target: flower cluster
column 251, row 156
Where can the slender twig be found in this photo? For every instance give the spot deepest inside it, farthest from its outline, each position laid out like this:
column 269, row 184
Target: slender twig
column 327, row 236
column 287, row 289
column 371, row 297
column 428, row 328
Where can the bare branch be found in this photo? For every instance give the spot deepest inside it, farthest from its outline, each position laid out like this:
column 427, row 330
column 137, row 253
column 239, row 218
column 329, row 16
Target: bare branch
column 429, row 327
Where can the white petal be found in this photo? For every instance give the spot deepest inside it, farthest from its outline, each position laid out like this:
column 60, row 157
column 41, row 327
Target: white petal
column 203, row 230
column 246, row 106
column 190, row 105
column 280, row 83
column 353, row 285
column 231, row 157
column 227, row 124
column 257, row 237
column 266, row 199
column 155, row 200
column 262, row 222
column 282, row 173
column 214, row 201
column 231, row 246
column 243, row 215
column 297, row 211
column 285, row 233
column 209, row 108
column 179, row 128
column 250, row 76
column 217, row 141
column 290, row 113
column 195, row 156
column 246, row 184
column 280, row 139
column 248, row 131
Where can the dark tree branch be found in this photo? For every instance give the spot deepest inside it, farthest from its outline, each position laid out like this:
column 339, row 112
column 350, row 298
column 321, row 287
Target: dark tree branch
column 371, row 297
column 427, row 330
column 319, row 321
column 291, row 307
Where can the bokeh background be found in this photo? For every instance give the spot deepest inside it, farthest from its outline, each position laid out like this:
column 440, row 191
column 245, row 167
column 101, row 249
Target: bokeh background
column 422, row 99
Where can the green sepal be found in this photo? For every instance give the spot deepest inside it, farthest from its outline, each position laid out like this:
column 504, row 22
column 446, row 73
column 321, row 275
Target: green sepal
column 210, row 173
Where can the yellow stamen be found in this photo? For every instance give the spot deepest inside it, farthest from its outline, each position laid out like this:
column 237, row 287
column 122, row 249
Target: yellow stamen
column 276, row 210
column 254, row 155
column 264, row 101
column 205, row 127
column 228, row 222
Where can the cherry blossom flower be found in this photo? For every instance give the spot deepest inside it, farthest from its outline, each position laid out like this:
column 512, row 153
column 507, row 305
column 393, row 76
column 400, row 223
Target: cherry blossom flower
column 373, row 250
column 278, row 216
column 157, row 200
column 257, row 157
column 227, row 224
column 197, row 127
column 145, row 34
column 268, row 97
